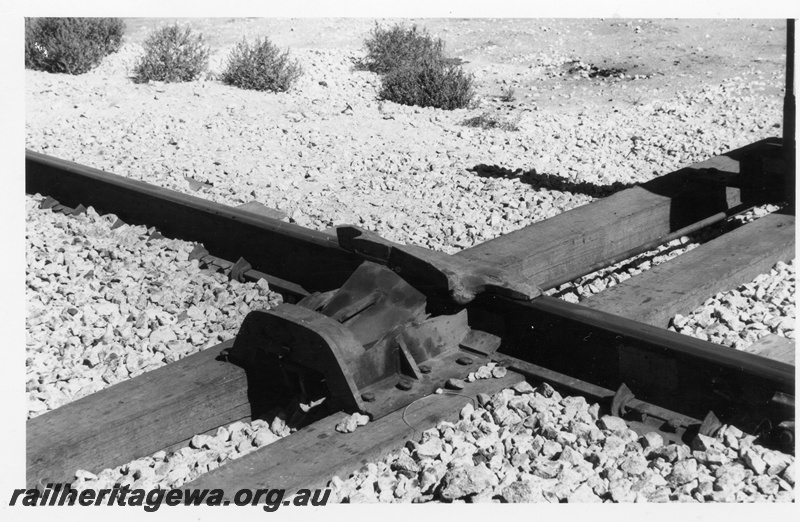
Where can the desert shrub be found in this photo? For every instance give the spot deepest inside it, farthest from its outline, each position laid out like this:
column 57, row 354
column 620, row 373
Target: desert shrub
column 70, row 45
column 508, row 94
column 415, row 70
column 261, row 67
column 430, row 83
column 172, row 54
column 490, row 121
column 398, row 46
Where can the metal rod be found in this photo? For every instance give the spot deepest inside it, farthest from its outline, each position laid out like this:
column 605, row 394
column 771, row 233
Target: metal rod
column 694, row 227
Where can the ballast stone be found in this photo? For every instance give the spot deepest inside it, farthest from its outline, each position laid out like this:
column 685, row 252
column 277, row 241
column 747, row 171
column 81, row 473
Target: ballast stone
column 460, row 482
column 613, row 424
column 430, row 449
column 351, row 423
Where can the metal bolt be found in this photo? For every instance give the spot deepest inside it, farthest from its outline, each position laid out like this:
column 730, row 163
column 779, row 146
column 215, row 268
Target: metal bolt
column 368, row 397
column 404, row 385
column 785, row 437
column 464, row 361
column 424, row 368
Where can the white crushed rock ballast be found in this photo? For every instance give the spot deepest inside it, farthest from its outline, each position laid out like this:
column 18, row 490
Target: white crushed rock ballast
column 204, row 453
column 740, row 317
column 105, row 305
column 533, row 445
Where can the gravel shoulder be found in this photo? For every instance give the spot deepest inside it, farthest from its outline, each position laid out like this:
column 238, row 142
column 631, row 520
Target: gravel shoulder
column 330, row 153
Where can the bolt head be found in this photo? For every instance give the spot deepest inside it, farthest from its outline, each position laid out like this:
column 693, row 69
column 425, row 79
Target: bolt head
column 786, row 437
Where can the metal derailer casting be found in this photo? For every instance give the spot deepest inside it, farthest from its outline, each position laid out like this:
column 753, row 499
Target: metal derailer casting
column 366, row 347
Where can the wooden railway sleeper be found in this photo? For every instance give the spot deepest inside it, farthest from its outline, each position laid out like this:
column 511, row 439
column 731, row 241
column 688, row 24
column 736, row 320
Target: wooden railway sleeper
column 368, row 347
column 429, row 270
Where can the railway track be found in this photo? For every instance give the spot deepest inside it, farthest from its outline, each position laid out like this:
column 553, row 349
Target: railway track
column 376, row 327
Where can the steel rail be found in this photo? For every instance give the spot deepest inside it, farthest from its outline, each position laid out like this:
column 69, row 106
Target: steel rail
column 674, row 371
column 659, row 366
column 311, row 259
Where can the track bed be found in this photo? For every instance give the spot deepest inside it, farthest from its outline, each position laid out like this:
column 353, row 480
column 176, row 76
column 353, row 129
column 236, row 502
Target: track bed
column 621, row 351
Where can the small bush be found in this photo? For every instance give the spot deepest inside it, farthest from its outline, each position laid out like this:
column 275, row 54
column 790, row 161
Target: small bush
column 490, row 121
column 415, row 70
column 398, row 46
column 508, row 94
column 261, row 67
column 431, row 83
column 172, row 54
column 70, row 45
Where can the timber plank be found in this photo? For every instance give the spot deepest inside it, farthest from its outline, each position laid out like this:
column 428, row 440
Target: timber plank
column 774, row 347
column 137, row 417
column 684, row 283
column 544, row 252
column 310, row 457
